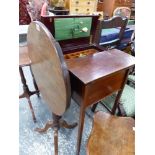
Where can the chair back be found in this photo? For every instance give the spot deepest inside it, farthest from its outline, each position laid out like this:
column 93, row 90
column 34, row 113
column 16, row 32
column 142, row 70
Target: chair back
column 123, row 12
column 133, row 44
column 49, row 68
column 110, row 27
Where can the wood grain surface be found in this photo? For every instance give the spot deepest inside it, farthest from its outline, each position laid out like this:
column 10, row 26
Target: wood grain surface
column 111, row 135
column 24, row 59
column 99, row 65
column 49, row 68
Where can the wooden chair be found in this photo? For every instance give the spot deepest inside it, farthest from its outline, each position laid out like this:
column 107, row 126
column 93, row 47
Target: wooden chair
column 51, row 74
column 122, row 12
column 107, row 28
column 111, row 135
column 131, row 78
column 132, row 44
column 24, row 60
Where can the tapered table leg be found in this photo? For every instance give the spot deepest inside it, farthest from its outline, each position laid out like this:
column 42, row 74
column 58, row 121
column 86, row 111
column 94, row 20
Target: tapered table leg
column 116, row 103
column 80, row 129
column 117, row 100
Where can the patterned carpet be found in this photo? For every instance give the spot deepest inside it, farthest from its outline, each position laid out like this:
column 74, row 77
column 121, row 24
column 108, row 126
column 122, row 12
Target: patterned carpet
column 33, row 143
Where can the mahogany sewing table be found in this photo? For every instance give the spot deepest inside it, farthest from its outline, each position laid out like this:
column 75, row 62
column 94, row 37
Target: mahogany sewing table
column 96, row 76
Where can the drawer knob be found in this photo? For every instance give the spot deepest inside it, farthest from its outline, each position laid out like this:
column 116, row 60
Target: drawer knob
column 85, row 29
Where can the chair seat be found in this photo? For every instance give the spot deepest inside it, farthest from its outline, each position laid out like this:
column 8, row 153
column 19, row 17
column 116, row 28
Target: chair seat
column 24, row 59
column 111, row 135
column 109, row 42
column 109, row 35
column 110, row 29
column 112, row 35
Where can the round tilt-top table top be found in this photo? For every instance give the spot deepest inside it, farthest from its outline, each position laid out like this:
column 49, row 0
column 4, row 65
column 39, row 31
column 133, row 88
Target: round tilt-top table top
column 49, row 68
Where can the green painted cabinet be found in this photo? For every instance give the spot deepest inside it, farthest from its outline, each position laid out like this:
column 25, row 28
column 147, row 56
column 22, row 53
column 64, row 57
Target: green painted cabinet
column 69, row 28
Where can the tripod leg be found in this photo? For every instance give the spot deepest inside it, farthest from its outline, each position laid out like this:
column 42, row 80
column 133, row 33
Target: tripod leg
column 48, row 125
column 56, row 141
column 55, row 124
column 32, row 111
column 64, row 124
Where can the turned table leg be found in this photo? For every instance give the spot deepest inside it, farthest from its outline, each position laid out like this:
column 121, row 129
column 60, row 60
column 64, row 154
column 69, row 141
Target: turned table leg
column 26, row 92
column 34, row 82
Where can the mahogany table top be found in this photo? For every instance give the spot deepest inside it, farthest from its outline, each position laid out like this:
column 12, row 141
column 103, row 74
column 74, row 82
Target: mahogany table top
column 98, row 65
column 49, row 68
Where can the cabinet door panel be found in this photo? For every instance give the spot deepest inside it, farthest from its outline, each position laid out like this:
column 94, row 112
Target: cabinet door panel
column 64, row 28
column 68, row 28
column 81, row 23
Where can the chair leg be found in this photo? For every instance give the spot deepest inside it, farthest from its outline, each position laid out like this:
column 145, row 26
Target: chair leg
column 121, row 111
column 94, row 107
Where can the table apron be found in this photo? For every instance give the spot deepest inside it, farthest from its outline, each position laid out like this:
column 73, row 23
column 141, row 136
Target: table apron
column 103, row 87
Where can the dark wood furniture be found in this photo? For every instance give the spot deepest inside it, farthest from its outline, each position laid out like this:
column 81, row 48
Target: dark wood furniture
column 111, row 135
column 24, row 60
column 69, row 31
column 59, row 12
column 96, row 76
column 127, row 39
column 114, row 22
column 51, row 74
